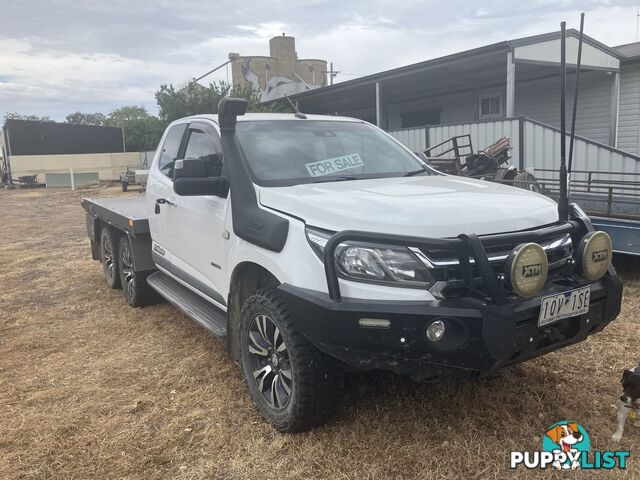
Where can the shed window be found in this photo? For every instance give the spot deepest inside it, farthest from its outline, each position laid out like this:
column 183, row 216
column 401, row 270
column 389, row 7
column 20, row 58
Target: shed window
column 491, row 106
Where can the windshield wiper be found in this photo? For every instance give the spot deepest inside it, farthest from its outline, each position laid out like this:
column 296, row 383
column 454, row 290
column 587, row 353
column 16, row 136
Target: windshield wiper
column 415, row 172
column 341, row 178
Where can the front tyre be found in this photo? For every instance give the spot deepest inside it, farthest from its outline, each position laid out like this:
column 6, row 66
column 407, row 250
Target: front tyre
column 292, row 384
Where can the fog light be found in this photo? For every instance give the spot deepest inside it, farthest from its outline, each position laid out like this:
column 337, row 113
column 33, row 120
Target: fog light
column 435, row 331
column 526, row 269
column 595, row 252
column 374, row 323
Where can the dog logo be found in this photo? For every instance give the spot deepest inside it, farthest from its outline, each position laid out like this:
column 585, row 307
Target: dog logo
column 569, row 438
column 529, row 271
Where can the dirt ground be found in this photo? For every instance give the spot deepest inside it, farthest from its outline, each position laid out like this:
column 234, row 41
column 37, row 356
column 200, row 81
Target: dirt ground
column 90, row 388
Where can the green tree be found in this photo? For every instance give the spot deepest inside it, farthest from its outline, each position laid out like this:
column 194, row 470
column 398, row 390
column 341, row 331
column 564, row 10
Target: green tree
column 142, row 131
column 80, row 118
column 196, row 99
column 19, row 116
column 120, row 116
column 143, row 134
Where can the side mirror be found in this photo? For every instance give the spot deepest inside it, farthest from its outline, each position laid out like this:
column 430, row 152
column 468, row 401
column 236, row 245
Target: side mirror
column 191, row 178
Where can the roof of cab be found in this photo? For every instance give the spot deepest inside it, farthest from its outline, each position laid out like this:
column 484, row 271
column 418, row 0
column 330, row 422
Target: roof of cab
column 253, row 117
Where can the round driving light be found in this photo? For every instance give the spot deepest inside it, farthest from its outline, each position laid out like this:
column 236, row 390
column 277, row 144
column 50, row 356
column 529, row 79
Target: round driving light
column 595, row 252
column 526, row 269
column 435, row 331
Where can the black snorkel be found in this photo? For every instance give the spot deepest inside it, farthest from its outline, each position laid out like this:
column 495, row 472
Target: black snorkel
column 250, row 222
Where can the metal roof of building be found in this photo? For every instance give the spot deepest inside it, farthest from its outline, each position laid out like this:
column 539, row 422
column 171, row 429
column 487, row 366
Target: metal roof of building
column 446, row 60
column 629, row 50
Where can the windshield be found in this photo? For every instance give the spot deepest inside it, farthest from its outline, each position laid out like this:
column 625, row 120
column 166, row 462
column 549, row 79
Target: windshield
column 289, row 152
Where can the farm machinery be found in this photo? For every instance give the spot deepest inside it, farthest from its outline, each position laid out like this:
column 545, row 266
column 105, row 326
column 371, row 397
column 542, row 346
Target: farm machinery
column 455, row 156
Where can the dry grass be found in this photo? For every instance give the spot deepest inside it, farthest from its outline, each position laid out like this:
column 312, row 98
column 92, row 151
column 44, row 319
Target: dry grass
column 90, row 388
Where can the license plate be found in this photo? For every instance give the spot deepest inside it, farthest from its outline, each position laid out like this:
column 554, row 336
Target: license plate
column 564, row 305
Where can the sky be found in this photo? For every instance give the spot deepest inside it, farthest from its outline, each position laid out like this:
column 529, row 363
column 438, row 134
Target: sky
column 63, row 56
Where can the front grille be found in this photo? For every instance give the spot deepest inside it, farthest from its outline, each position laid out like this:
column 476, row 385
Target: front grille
column 446, row 268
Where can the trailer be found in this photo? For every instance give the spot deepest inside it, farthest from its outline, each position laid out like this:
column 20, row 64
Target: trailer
column 610, row 198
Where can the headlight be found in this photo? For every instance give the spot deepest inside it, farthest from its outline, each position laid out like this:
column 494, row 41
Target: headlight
column 383, row 264
column 595, row 252
column 526, row 269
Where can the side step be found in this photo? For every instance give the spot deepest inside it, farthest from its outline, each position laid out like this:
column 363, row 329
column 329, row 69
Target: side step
column 194, row 306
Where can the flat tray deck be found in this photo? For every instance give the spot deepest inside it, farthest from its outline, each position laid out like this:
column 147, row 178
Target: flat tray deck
column 127, row 214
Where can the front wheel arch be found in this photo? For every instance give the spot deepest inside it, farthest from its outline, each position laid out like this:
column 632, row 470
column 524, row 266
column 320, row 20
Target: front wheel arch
column 247, row 278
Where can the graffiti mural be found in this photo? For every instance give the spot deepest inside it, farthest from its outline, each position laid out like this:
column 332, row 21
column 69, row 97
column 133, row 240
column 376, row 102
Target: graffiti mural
column 274, row 86
column 281, row 73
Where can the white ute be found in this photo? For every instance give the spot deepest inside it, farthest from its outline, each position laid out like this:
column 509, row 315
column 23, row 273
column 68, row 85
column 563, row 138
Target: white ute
column 318, row 244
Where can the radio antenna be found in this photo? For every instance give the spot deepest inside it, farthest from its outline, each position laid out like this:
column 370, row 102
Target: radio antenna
column 575, row 102
column 298, row 113
column 563, row 200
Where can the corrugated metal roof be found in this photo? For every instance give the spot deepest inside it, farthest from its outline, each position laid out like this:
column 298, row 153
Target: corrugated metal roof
column 629, row 50
column 446, row 60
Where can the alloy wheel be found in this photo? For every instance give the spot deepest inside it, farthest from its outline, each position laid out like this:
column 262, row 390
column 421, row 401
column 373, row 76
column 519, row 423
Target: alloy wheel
column 128, row 276
column 107, row 255
column 269, row 360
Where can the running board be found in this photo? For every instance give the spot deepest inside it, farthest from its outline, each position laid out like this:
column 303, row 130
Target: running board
column 193, row 305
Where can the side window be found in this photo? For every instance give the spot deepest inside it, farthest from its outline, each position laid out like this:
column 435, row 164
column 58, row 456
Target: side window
column 170, row 149
column 205, row 146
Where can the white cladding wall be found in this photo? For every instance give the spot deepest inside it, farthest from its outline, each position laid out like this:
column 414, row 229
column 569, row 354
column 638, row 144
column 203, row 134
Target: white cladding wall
column 629, row 116
column 537, row 99
column 549, row 52
column 413, row 138
column 107, row 165
column 540, row 100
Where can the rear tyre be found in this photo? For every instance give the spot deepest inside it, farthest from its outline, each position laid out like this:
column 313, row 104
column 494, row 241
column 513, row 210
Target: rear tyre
column 109, row 256
column 293, row 385
column 137, row 292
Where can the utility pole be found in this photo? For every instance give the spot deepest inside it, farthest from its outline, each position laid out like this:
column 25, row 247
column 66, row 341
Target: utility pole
column 331, row 73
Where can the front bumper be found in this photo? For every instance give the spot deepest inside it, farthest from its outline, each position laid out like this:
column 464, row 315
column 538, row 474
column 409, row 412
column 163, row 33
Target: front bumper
column 480, row 336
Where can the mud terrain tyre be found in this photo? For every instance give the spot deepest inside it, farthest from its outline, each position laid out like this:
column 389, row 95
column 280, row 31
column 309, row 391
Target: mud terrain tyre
column 293, row 385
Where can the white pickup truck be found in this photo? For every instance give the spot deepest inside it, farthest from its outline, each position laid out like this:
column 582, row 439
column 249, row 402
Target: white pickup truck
column 316, row 244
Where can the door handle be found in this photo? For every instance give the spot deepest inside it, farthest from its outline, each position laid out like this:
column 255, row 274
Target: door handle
column 163, row 201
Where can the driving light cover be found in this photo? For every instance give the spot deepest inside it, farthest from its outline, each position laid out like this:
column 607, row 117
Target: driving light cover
column 526, row 269
column 374, row 263
column 436, row 330
column 595, row 252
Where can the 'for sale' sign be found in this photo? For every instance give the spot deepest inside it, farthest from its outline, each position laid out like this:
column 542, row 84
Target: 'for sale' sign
column 331, row 166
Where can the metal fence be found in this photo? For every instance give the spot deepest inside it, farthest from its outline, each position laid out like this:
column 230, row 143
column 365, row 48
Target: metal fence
column 413, row 138
column 535, row 145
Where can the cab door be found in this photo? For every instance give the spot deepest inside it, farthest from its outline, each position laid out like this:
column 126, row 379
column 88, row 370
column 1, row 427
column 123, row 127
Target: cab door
column 198, row 224
column 161, row 199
